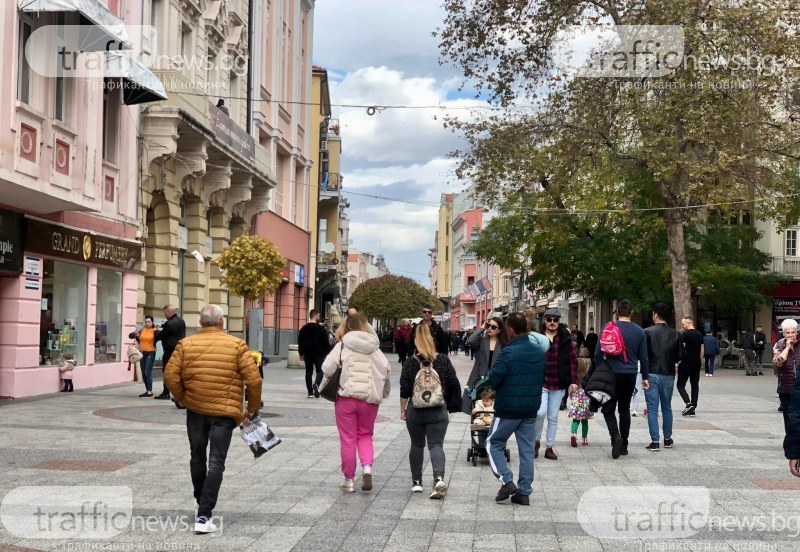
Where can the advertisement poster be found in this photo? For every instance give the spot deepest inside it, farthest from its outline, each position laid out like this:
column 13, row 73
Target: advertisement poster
column 783, row 308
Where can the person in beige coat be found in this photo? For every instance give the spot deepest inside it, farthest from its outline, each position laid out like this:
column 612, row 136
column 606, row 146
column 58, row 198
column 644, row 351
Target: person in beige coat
column 363, row 385
column 207, row 372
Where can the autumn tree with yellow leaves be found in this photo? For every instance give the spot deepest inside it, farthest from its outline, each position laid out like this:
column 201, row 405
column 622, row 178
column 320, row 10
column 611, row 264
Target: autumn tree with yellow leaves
column 252, row 267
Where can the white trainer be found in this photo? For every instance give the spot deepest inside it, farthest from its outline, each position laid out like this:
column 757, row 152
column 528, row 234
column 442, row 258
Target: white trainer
column 203, row 526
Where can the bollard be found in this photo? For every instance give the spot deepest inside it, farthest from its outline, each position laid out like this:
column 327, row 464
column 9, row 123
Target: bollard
column 293, row 360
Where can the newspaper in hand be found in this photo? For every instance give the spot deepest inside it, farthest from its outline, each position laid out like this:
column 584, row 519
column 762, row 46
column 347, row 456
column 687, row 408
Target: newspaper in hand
column 259, row 437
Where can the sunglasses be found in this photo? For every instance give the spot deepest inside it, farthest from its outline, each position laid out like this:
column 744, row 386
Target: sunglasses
column 548, row 319
column 494, row 327
column 427, row 312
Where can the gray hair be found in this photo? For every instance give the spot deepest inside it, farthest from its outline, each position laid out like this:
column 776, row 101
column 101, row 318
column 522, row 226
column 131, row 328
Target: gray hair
column 210, row 315
column 789, row 324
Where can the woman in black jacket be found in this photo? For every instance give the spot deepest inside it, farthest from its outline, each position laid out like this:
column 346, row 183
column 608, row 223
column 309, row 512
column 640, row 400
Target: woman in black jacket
column 427, row 424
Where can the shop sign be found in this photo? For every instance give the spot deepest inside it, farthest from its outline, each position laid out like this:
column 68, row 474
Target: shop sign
column 783, row 308
column 299, row 274
column 11, row 246
column 79, row 245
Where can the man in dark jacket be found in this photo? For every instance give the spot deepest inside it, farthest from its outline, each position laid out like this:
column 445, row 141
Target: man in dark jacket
column 663, row 354
column 591, row 342
column 759, row 341
column 171, row 332
column 440, row 339
column 625, row 371
column 313, row 346
column 517, row 378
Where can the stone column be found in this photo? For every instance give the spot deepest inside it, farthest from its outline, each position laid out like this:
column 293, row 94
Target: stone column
column 161, row 252
column 220, row 239
column 195, row 291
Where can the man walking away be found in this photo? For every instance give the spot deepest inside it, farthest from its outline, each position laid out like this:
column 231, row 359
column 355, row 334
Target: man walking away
column 578, row 338
column 517, row 378
column 710, row 352
column 625, row 370
column 207, row 373
column 591, row 342
column 759, row 340
column 313, row 345
column 663, row 355
column 171, row 332
column 689, row 369
column 748, row 346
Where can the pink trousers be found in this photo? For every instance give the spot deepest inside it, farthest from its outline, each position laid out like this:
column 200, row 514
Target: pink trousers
column 356, row 421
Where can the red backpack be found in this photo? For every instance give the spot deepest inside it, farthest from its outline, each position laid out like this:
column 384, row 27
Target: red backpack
column 611, row 342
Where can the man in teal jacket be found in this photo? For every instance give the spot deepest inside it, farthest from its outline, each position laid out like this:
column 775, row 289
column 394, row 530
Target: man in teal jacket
column 517, row 378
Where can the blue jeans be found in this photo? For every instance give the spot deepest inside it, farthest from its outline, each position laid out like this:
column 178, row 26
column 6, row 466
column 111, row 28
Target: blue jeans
column 147, row 362
column 661, row 388
column 551, row 402
column 499, row 433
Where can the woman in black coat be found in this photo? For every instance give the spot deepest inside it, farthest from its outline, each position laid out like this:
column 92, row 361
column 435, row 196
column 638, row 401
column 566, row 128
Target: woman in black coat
column 488, row 342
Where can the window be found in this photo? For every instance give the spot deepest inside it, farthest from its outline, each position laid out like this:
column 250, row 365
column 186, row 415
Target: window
column 323, row 234
column 791, row 243
column 470, row 280
column 235, row 93
column 186, row 45
column 111, row 109
column 108, row 332
column 62, row 331
column 23, row 68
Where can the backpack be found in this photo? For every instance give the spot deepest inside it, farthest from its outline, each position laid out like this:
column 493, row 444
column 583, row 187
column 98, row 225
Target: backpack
column 611, row 342
column 427, row 392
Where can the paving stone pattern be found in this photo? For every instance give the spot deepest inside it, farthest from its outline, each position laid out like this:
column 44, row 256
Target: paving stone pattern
column 289, row 499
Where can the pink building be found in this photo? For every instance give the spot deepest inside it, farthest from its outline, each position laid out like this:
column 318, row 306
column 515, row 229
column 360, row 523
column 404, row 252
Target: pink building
column 69, row 256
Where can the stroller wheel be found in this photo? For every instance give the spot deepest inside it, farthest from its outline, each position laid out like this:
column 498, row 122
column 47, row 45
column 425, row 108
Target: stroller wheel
column 469, row 455
column 474, row 459
column 508, row 455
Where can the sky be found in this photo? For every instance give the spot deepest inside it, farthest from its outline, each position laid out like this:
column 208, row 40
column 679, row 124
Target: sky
column 382, row 52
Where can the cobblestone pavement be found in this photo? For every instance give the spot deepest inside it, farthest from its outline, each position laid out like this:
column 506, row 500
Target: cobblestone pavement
column 289, row 499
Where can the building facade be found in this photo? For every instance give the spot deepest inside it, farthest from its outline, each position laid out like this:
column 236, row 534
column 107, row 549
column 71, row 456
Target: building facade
column 362, row 267
column 69, row 197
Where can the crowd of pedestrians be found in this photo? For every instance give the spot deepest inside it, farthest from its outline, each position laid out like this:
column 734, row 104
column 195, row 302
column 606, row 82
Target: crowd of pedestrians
column 524, row 374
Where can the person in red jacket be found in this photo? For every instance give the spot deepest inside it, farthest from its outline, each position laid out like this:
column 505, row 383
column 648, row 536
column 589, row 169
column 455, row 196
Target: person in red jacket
column 402, row 339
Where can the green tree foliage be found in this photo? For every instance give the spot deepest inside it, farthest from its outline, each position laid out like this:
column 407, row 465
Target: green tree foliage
column 253, row 267
column 390, row 297
column 714, row 133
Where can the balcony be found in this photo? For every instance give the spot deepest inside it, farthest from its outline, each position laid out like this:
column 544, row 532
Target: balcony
column 789, row 266
column 330, row 185
column 326, row 261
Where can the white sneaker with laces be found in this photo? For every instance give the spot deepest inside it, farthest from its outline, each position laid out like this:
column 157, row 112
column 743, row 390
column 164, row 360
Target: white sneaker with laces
column 439, row 488
column 416, row 487
column 349, row 486
column 203, row 526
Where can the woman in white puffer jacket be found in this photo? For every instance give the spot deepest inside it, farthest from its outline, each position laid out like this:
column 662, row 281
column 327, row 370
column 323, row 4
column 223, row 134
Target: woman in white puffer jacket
column 363, row 385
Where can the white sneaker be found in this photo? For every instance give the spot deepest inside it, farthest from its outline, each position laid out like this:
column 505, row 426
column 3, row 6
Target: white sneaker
column 634, row 414
column 349, row 486
column 439, row 488
column 416, row 487
column 203, row 526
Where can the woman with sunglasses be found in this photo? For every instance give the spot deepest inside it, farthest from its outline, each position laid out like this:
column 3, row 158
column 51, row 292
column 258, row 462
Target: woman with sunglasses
column 487, row 342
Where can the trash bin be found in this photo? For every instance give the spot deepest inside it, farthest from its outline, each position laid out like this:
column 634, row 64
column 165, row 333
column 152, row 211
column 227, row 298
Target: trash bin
column 293, row 360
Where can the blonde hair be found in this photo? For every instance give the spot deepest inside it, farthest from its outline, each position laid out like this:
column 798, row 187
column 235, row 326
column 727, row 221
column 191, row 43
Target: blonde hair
column 354, row 323
column 423, row 341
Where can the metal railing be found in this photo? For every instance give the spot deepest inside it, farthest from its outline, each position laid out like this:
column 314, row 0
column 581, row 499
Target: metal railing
column 330, row 182
column 785, row 265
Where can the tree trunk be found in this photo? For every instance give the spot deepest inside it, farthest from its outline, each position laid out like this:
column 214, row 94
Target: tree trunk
column 676, row 249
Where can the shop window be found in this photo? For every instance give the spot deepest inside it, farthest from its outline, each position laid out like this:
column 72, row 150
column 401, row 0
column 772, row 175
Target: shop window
column 63, row 321
column 108, row 332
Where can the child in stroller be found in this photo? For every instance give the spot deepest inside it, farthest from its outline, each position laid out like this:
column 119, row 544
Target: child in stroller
column 482, row 416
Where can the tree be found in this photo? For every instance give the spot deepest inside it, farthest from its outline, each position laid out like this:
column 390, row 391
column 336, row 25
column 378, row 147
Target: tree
column 253, row 267
column 390, row 297
column 717, row 131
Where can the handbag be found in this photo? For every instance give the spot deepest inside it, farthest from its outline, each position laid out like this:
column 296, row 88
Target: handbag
column 134, row 354
column 330, row 391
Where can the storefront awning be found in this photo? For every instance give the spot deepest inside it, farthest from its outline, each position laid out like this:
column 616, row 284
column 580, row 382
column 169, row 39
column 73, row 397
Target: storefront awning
column 107, row 30
column 140, row 85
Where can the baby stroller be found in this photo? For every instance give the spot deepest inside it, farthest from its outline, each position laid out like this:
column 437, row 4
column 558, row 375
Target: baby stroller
column 478, row 428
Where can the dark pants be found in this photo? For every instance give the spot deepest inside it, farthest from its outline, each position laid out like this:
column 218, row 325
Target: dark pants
column 426, row 424
column 311, row 365
column 402, row 351
column 164, row 361
column 206, row 480
column 68, row 385
column 625, row 384
column 785, row 398
column 710, row 363
column 690, row 373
